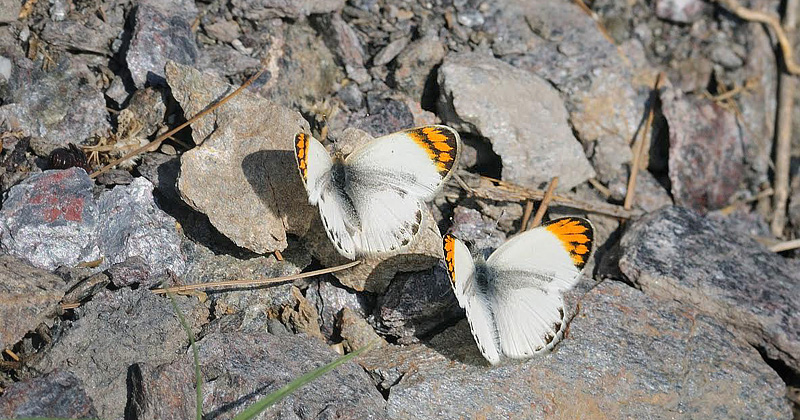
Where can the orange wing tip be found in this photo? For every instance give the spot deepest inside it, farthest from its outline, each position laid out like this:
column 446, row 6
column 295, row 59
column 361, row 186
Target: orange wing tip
column 301, row 153
column 439, row 142
column 449, row 246
column 577, row 236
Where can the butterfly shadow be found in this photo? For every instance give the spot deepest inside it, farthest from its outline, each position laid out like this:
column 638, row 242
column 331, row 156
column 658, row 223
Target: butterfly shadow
column 456, row 344
column 273, row 176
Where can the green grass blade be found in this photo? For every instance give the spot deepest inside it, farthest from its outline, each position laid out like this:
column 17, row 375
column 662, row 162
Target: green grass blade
column 198, row 377
column 276, row 396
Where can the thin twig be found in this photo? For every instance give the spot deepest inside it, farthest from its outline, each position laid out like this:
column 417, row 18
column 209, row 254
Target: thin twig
column 600, row 187
column 278, row 255
column 12, row 355
column 733, row 206
column 257, row 282
column 65, row 306
column 774, row 23
column 640, row 149
column 154, row 144
column 785, row 246
column 548, row 195
column 783, row 131
column 526, row 216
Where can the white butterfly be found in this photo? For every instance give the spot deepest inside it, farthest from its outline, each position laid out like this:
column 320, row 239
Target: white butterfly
column 513, row 299
column 371, row 202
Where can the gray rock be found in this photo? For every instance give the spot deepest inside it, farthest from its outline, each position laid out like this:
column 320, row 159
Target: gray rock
column 704, row 174
column 415, row 63
column 385, row 116
column 51, row 219
column 342, row 39
column 519, row 113
column 9, row 11
column 56, row 107
column 329, row 301
column 243, row 175
column 245, row 367
column 86, row 34
column 676, row 361
column 356, row 331
column 162, row 32
column 351, row 96
column 681, row 11
column 417, row 304
column 162, row 170
column 28, row 297
column 132, row 225
column 677, row 254
column 223, row 30
column 224, row 61
column 470, row 226
column 611, row 154
column 56, row 394
column 268, row 9
column 133, row 270
column 115, row 177
column 115, row 330
column 390, row 51
column 650, row 194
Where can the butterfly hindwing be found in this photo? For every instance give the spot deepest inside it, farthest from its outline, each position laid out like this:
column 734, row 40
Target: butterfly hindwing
column 461, row 270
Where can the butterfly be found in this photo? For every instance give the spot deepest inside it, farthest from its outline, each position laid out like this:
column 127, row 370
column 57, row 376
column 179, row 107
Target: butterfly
column 513, row 299
column 372, row 201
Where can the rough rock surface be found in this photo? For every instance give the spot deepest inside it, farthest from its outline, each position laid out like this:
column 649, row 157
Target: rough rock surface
column 56, row 394
column 329, row 300
column 704, row 174
column 244, row 368
column 28, row 297
column 741, row 283
column 243, row 174
column 50, row 219
column 162, row 32
column 267, row 9
column 115, row 330
column 520, row 114
column 675, row 360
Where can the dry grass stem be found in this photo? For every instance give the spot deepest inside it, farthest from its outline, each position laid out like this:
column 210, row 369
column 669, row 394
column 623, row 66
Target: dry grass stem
column 548, row 195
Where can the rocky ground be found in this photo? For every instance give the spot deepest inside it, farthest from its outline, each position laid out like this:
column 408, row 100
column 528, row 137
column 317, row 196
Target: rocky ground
column 684, row 312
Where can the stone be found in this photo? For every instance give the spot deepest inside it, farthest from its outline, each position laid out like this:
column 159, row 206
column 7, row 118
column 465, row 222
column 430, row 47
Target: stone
column 356, row 331
column 704, row 174
column 384, row 116
column 133, row 226
column 622, row 343
column 162, row 171
column 162, row 32
column 112, row 332
column 390, row 51
column 223, row 30
column 9, row 11
column 610, row 158
column 56, row 107
column 681, row 11
column 224, row 61
column 415, row 64
column 329, row 300
column 741, row 283
column 243, row 174
column 246, row 367
column 51, row 219
column 88, row 34
column 342, row 39
column 268, row 9
column 28, row 297
column 520, row 114
column 134, row 270
column 470, row 227
column 650, row 194
column 418, row 304
column 55, row 394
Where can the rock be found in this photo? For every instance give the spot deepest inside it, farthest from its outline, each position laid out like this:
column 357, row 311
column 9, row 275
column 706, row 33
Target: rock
column 356, row 331
column 223, row 30
column 571, row 52
column 133, row 270
column 162, row 32
column 246, row 367
column 268, row 9
column 519, row 113
column 415, row 64
column 243, row 175
column 330, row 300
column 56, row 107
column 650, row 194
column 162, row 171
column 610, row 157
column 56, row 394
column 417, row 304
column 681, row 11
column 342, row 39
column 132, row 225
column 704, row 174
column 86, row 34
column 301, row 316
column 351, row 96
column 28, row 297
column 115, row 177
column 224, row 61
column 741, row 283
column 385, row 116
column 469, row 226
column 390, row 51
column 9, row 11
column 115, row 330
column 144, row 113
column 622, row 343
column 85, row 286
column 51, row 219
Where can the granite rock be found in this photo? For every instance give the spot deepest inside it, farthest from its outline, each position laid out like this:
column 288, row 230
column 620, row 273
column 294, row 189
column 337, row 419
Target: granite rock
column 268, row 9
column 55, row 394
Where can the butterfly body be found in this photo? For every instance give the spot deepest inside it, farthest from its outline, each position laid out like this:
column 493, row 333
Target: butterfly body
column 513, row 299
column 372, row 201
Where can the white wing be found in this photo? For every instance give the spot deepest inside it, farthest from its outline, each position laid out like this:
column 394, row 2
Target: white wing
column 461, row 268
column 528, row 274
column 314, row 163
column 391, row 177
